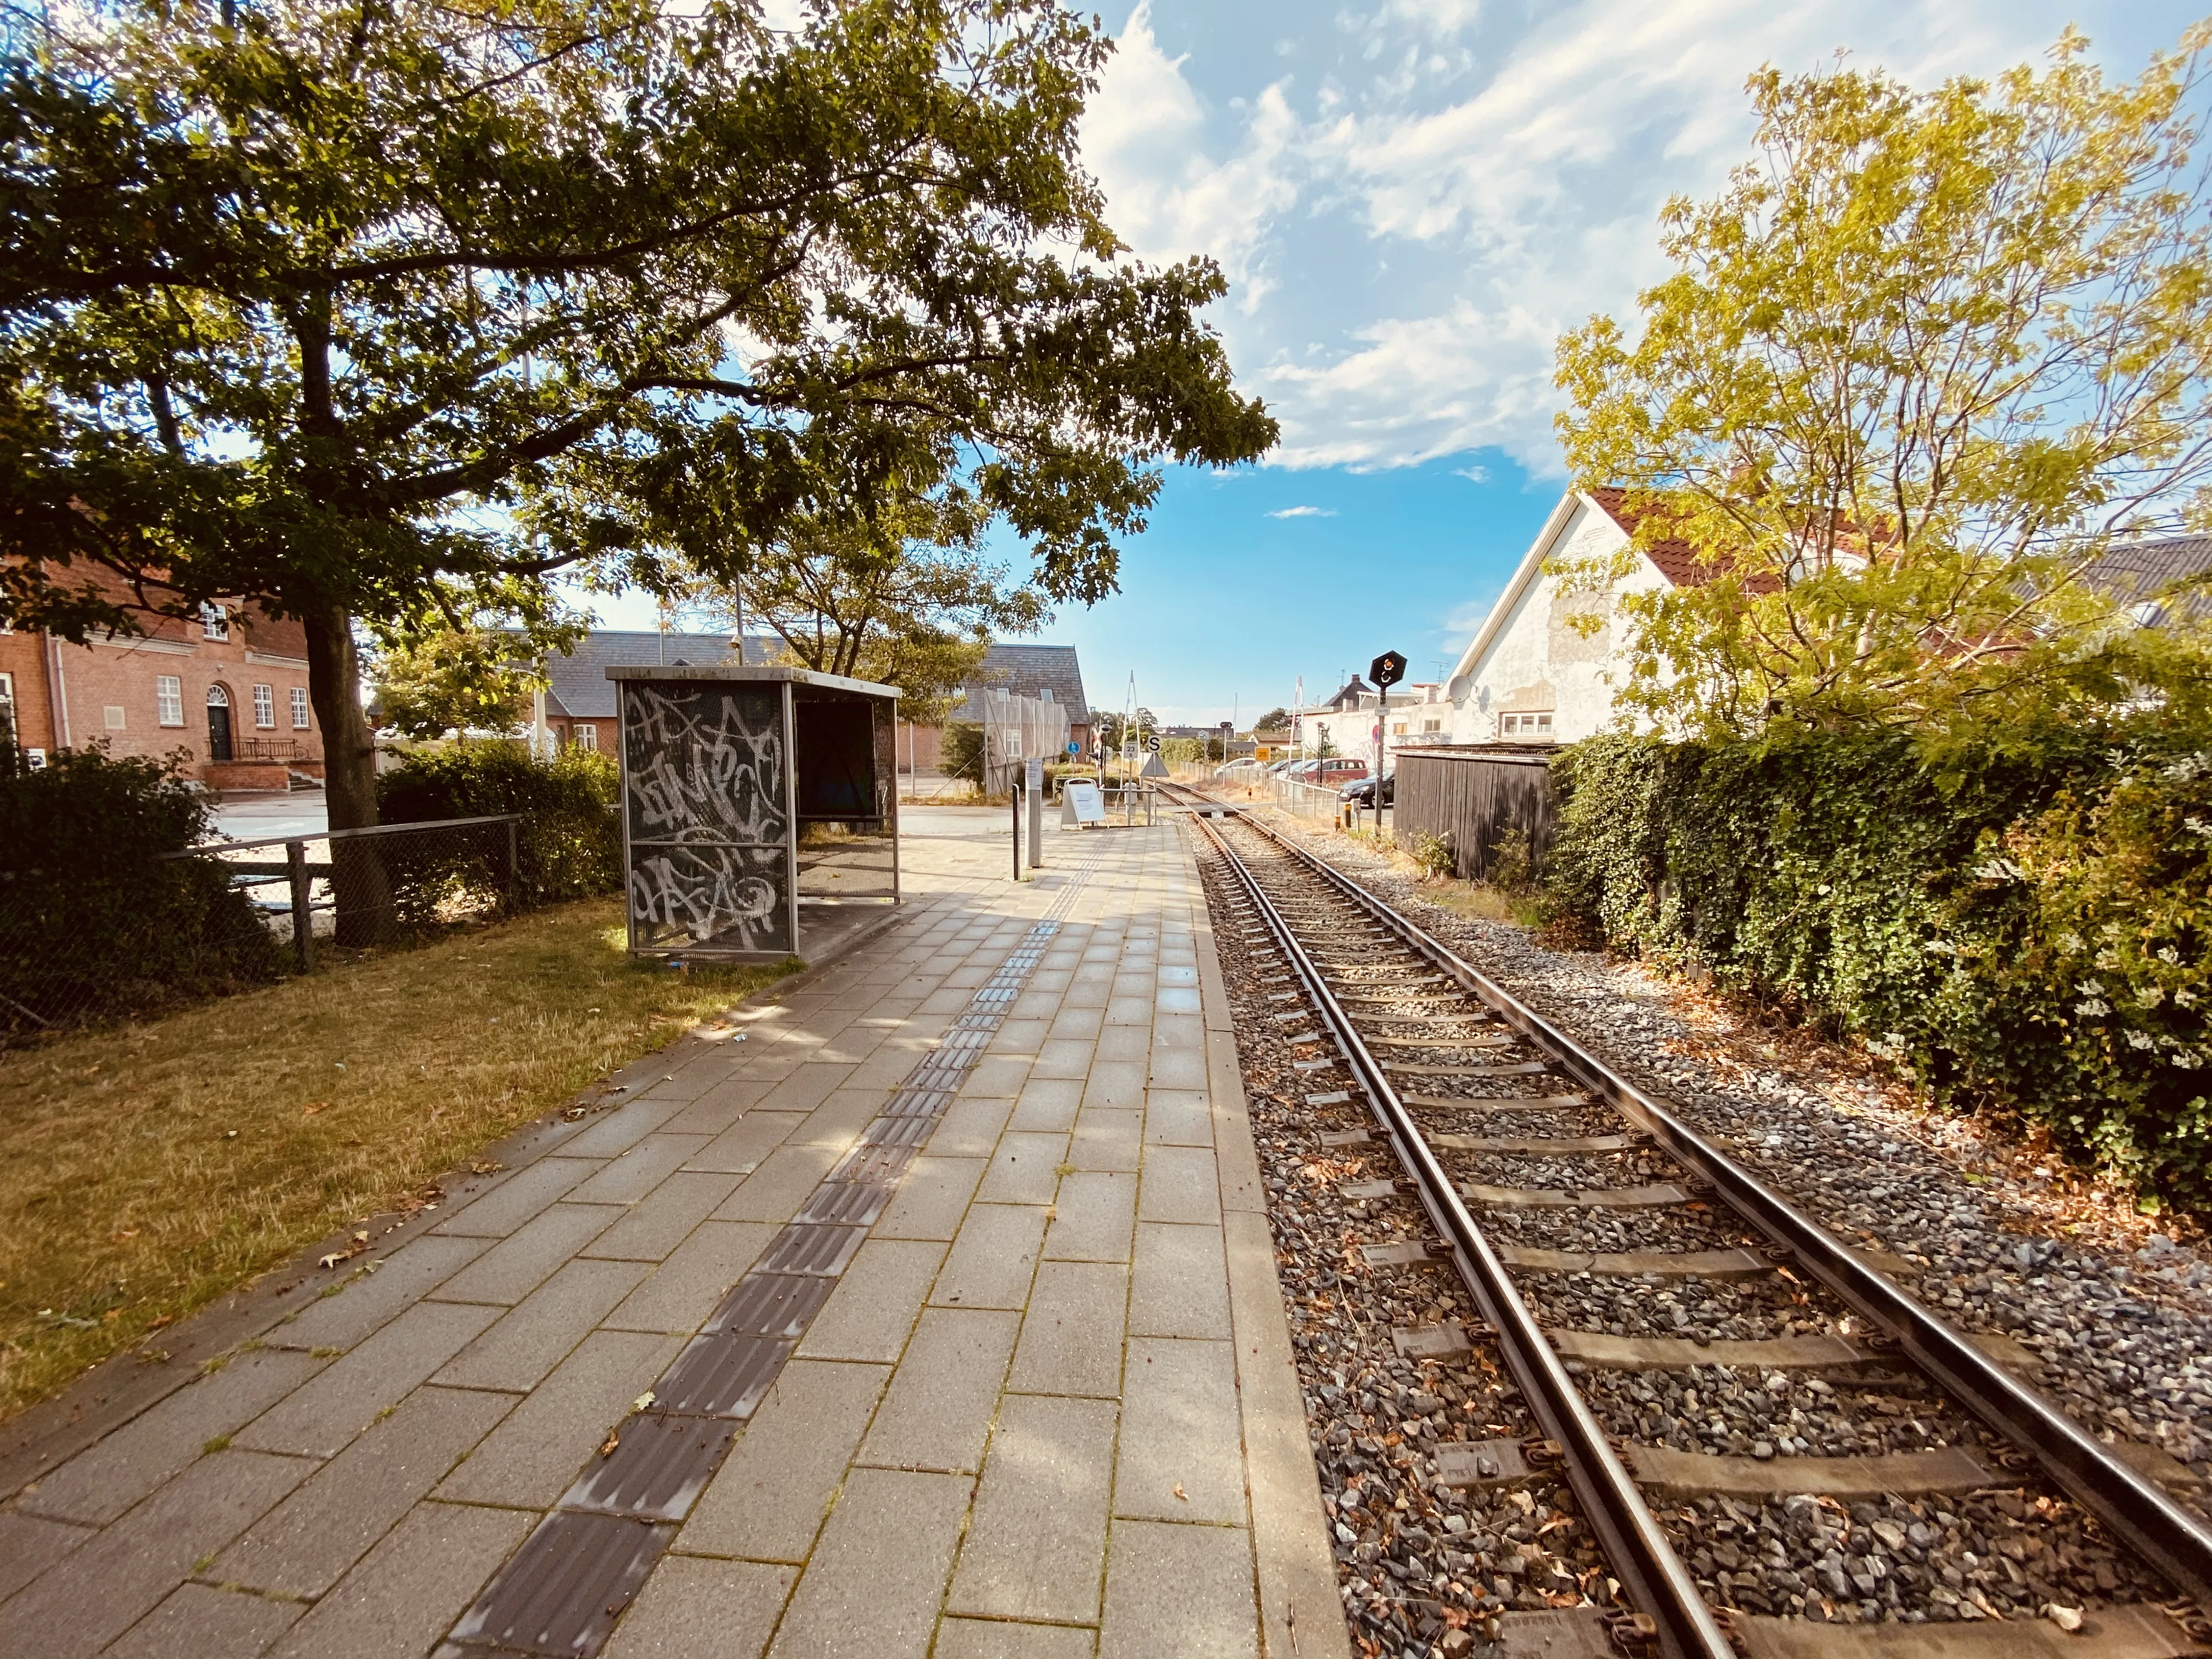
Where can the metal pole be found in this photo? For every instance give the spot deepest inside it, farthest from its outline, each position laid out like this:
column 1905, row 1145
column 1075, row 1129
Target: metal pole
column 303, row 915
column 1017, row 799
column 1036, row 824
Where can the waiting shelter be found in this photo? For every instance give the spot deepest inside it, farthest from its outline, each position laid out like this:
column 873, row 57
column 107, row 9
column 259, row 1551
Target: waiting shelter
column 760, row 809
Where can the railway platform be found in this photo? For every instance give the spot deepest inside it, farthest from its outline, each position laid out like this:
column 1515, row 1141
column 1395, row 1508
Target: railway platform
column 928, row 1307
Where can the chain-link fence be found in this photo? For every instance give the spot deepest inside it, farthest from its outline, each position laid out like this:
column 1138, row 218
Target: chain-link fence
column 140, row 938
column 1307, row 800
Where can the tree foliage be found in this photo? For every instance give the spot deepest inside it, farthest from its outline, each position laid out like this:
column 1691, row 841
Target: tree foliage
column 905, row 598
column 1920, row 365
column 375, row 308
column 453, row 679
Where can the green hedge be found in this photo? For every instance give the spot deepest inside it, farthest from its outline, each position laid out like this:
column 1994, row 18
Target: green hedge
column 568, row 844
column 2022, row 925
column 94, row 921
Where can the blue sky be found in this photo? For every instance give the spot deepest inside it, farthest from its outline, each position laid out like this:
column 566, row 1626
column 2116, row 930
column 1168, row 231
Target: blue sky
column 1412, row 199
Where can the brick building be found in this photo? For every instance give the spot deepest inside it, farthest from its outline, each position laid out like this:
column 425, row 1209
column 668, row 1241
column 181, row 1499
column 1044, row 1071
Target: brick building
column 230, row 688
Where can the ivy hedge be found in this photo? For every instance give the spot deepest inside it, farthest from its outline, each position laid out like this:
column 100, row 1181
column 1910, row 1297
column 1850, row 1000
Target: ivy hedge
column 2022, row 924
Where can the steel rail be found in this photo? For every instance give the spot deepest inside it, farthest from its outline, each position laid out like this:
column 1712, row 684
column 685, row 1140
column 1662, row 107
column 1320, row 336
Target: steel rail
column 2144, row 1517
column 1653, row 1578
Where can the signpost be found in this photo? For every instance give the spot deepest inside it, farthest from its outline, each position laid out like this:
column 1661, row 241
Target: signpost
column 1386, row 671
column 1033, row 780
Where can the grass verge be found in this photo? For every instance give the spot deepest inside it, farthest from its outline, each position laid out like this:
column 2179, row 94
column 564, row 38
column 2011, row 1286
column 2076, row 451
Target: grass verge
column 147, row 1170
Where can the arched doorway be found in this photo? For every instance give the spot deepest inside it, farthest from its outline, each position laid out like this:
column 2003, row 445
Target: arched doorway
column 218, row 708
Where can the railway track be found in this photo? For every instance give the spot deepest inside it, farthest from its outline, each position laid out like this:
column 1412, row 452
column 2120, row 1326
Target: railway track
column 1604, row 1242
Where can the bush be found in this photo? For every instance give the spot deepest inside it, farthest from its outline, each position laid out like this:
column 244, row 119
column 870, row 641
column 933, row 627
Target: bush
column 2022, row 924
column 568, row 844
column 960, row 755
column 93, row 919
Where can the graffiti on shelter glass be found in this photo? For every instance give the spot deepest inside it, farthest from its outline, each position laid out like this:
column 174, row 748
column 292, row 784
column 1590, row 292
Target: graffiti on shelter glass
column 704, row 766
column 705, row 784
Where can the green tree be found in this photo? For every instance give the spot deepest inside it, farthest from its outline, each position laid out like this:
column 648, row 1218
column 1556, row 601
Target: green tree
column 905, row 598
column 453, row 679
column 374, row 309
column 1920, row 364
column 1275, row 720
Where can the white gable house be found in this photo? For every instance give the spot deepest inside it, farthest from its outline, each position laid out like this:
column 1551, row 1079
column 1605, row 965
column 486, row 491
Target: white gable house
column 1531, row 676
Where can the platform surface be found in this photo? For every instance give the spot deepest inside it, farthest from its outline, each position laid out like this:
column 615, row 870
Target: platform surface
column 1048, row 1408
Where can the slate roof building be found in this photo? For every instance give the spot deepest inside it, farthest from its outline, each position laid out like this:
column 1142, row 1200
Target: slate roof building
column 579, row 706
column 1031, row 671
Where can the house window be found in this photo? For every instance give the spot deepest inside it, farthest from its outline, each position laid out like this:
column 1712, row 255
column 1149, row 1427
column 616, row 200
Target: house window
column 1432, row 726
column 587, row 737
column 264, row 706
column 168, row 699
column 1398, row 728
column 299, row 708
column 214, row 621
column 1524, row 725
column 112, row 715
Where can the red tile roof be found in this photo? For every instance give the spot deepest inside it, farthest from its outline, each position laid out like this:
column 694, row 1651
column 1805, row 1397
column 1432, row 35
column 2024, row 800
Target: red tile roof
column 1678, row 561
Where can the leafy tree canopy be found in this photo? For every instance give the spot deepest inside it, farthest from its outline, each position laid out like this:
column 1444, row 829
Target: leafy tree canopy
column 906, row 596
column 378, row 308
column 1275, row 720
column 1920, row 364
column 453, row 679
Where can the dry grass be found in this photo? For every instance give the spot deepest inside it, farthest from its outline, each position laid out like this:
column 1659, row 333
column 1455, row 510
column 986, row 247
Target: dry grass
column 148, row 1169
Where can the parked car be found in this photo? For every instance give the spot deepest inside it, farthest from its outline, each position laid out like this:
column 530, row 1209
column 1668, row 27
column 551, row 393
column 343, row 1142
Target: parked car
column 1361, row 794
column 1331, row 774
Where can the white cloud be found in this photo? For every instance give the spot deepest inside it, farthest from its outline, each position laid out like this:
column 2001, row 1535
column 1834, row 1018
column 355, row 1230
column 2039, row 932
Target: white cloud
column 1414, row 202
column 1304, row 513
column 1471, row 474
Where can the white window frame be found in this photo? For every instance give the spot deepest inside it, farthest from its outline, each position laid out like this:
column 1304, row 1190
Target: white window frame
column 265, row 708
column 299, row 708
column 1531, row 723
column 586, row 738
column 214, row 621
column 168, row 701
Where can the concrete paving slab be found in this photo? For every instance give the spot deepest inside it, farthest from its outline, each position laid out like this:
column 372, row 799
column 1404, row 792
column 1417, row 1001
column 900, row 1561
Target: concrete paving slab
column 410, row 1588
column 943, row 1394
column 502, row 1208
column 631, row 1176
column 993, row 1260
column 871, row 1313
column 1107, row 1139
column 1180, row 1456
column 1024, row 1170
column 873, row 1587
column 1048, row 1104
column 352, row 1305
column 679, row 1294
column 1180, row 1184
column 102, row 1481
column 775, row 1191
column 307, row 1543
column 542, row 1329
column 99, row 1590
column 994, row 1638
column 664, row 1218
column 1178, row 1117
column 1116, row 1084
column 971, row 1128
column 1180, row 1590
column 28, row 1546
column 524, row 1259
column 693, row 1609
column 1071, row 1335
column 321, row 1418
column 1036, row 1546
column 532, row 1457
column 1179, row 1285
column 619, row 1130
column 198, row 1621
column 932, row 1195
column 1092, row 1217
column 768, row 1501
column 740, row 1149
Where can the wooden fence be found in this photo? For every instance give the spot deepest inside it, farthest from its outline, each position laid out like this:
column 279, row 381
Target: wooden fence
column 1474, row 795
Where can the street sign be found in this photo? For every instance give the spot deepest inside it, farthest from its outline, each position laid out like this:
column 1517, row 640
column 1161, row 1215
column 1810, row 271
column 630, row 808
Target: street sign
column 1151, row 743
column 1033, row 770
column 1387, row 670
column 1073, row 747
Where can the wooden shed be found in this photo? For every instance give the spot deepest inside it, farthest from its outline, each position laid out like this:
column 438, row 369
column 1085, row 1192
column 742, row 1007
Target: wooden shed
column 1476, row 794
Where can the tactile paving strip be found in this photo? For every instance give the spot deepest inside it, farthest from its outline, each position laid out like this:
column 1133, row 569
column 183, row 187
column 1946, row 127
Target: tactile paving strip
column 562, row 1593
